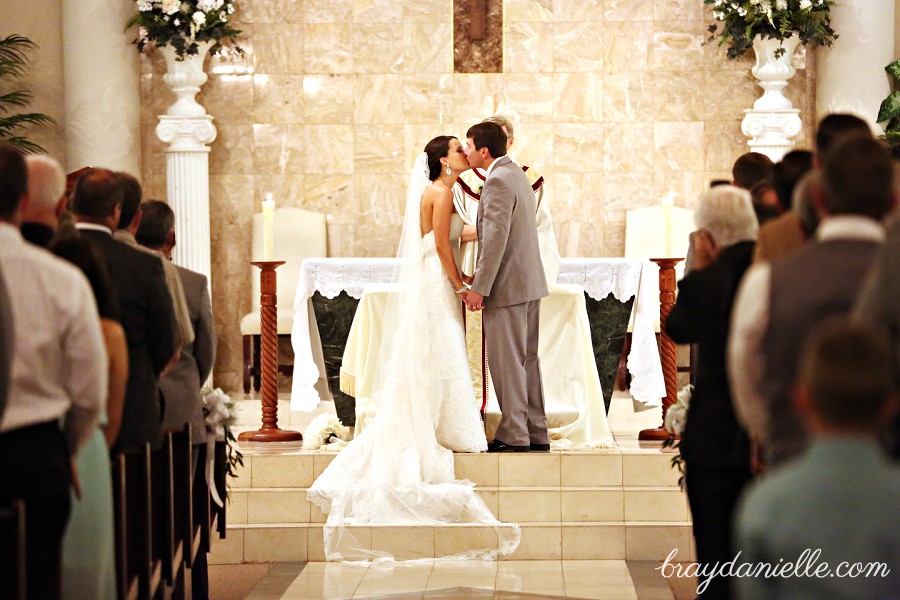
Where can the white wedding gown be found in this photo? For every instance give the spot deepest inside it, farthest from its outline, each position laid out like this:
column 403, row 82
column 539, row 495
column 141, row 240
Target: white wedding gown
column 399, row 470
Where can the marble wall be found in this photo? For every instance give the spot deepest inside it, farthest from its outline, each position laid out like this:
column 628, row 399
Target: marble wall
column 616, row 102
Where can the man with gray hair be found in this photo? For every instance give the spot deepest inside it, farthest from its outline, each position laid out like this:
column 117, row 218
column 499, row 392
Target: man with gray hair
column 780, row 303
column 715, row 448
column 46, row 199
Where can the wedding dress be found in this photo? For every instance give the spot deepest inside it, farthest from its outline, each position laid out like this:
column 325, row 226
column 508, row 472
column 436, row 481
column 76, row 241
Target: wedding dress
column 399, row 470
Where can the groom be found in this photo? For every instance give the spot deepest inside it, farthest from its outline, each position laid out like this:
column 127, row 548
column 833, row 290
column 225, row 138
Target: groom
column 509, row 284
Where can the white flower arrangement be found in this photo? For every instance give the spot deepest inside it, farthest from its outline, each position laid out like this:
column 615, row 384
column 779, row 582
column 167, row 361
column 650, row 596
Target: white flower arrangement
column 221, row 415
column 677, row 413
column 739, row 21
column 183, row 24
column 325, row 430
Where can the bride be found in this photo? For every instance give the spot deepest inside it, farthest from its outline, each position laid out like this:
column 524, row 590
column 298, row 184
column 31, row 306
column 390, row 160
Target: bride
column 399, row 470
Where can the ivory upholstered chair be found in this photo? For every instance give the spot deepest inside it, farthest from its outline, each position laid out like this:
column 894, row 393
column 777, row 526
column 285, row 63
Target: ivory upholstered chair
column 297, row 234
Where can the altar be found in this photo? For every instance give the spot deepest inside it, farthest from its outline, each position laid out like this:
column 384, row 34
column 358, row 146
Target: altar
column 596, row 277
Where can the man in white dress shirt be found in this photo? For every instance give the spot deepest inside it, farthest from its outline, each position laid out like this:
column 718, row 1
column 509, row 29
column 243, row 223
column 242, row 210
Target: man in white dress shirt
column 778, row 304
column 58, row 384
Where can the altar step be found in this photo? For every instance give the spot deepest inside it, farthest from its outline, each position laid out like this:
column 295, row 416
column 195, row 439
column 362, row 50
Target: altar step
column 600, row 504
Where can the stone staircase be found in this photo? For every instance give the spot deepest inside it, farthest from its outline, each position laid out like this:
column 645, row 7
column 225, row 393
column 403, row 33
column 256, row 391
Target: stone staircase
column 621, row 503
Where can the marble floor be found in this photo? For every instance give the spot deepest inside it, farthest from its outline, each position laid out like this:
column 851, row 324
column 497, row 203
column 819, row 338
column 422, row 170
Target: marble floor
column 602, row 579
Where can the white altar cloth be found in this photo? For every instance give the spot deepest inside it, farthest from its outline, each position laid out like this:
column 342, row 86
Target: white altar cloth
column 597, row 276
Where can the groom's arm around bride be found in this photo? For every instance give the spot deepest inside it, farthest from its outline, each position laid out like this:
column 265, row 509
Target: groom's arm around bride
column 509, row 283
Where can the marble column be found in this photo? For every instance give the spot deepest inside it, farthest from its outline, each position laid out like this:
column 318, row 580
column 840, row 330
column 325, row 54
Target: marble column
column 850, row 74
column 101, row 81
column 188, row 129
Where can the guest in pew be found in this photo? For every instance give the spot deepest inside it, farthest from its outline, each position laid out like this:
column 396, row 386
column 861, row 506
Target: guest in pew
column 181, row 386
column 750, row 171
column 58, row 383
column 129, row 222
column 879, row 304
column 144, row 307
column 787, row 173
column 92, row 575
column 715, row 448
column 791, row 230
column 779, row 304
column 838, row 499
column 46, row 199
column 6, row 344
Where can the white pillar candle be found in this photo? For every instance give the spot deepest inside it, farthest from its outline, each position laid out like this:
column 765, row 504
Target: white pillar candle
column 668, row 201
column 268, row 210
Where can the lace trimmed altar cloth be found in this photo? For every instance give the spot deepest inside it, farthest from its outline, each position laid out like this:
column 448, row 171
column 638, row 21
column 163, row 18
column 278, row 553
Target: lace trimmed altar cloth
column 599, row 277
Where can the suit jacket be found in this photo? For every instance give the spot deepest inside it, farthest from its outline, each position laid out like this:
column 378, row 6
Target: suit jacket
column 702, row 315
column 779, row 237
column 181, row 386
column 879, row 303
column 509, row 269
column 146, row 315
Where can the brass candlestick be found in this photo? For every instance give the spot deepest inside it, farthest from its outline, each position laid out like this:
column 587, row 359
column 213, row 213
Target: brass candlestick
column 667, row 353
column 268, row 329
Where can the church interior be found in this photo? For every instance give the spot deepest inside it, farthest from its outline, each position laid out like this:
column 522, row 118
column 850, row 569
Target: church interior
column 627, row 110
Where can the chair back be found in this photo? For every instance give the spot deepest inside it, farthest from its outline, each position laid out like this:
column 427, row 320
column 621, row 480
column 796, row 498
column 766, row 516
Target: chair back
column 298, row 234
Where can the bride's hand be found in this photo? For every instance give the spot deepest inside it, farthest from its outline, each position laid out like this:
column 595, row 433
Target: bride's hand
column 469, row 233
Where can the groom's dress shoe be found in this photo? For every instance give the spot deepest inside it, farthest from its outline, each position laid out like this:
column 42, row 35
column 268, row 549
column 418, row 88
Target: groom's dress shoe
column 539, row 447
column 498, row 446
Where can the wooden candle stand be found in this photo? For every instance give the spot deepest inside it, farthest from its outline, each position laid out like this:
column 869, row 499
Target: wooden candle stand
column 666, row 345
column 268, row 328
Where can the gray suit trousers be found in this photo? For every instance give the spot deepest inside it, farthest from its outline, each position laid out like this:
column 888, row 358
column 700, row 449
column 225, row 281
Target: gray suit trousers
column 511, row 339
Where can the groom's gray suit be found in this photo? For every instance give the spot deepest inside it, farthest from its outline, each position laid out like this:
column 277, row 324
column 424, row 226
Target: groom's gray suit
column 510, row 276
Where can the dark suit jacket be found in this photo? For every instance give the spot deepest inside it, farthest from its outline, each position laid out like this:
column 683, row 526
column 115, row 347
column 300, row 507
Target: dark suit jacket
column 181, row 386
column 146, row 315
column 702, row 315
column 37, row 233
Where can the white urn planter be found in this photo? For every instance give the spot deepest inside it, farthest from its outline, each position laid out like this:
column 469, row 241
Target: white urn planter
column 185, row 77
column 773, row 122
column 774, row 71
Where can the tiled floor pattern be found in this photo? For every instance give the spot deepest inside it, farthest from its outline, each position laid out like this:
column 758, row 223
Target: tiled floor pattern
column 602, row 579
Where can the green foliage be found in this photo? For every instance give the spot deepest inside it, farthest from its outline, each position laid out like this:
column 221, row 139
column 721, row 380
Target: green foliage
column 14, row 51
column 677, row 461
column 737, row 22
column 890, row 107
column 183, row 25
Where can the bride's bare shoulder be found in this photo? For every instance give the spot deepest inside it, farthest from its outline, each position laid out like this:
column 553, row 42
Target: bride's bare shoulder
column 438, row 193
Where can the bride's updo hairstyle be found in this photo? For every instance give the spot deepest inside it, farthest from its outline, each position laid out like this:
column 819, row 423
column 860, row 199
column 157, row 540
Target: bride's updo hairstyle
column 437, row 149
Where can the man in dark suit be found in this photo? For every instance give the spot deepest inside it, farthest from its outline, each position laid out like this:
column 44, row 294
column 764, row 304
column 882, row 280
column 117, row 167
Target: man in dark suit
column 144, row 306
column 181, row 386
column 715, row 448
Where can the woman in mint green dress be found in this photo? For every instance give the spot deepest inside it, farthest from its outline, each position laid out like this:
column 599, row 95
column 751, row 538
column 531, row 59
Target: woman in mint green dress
column 89, row 570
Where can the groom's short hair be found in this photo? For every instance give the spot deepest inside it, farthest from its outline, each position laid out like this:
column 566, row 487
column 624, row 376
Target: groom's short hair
column 490, row 136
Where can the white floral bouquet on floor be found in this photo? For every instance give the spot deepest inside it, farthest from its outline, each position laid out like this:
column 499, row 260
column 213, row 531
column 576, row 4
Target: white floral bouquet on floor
column 325, row 430
column 677, row 413
column 182, row 24
column 221, row 415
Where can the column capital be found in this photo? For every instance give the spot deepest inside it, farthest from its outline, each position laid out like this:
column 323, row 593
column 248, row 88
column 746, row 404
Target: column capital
column 771, row 131
column 186, row 134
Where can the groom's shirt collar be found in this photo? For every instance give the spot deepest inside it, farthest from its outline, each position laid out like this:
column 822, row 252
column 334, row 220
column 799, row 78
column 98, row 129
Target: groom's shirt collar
column 490, row 167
